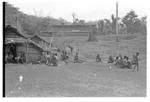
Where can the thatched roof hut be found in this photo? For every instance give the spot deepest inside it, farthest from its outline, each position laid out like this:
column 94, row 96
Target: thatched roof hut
column 21, row 45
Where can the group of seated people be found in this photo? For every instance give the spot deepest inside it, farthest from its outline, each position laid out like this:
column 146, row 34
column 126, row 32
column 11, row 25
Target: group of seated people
column 53, row 58
column 124, row 62
column 65, row 57
column 10, row 58
column 121, row 62
column 50, row 59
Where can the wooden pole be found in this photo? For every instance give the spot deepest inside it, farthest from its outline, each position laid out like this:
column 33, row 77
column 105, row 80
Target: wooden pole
column 26, row 51
column 117, row 40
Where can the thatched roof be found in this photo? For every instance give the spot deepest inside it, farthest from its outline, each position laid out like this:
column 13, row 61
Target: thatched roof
column 16, row 30
column 15, row 40
column 42, row 38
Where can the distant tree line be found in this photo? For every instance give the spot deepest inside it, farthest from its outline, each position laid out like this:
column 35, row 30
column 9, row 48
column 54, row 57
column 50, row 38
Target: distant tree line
column 130, row 23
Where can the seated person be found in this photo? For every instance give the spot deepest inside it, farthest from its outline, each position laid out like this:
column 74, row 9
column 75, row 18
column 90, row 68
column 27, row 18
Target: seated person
column 116, row 60
column 54, row 60
column 120, row 59
column 10, row 58
column 49, row 57
column 110, row 59
column 98, row 58
column 126, row 63
column 43, row 59
column 6, row 58
column 64, row 55
column 76, row 58
column 18, row 59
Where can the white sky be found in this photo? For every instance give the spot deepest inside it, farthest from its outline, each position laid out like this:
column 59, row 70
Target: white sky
column 84, row 9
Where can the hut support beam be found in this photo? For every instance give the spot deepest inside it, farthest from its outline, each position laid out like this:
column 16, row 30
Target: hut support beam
column 26, row 51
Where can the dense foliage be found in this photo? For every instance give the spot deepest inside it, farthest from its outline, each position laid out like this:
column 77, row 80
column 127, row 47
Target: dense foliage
column 130, row 23
column 28, row 23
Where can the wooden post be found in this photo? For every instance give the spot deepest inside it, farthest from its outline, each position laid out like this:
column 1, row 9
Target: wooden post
column 117, row 40
column 26, row 51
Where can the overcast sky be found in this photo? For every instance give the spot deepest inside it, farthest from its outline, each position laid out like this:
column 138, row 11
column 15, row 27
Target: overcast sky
column 84, row 9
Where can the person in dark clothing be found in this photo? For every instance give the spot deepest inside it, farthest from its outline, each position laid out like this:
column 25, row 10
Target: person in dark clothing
column 54, row 60
column 13, row 53
column 64, row 55
column 135, row 62
column 71, row 48
column 126, row 63
column 98, row 58
column 6, row 58
column 120, row 59
column 110, row 59
column 116, row 60
column 76, row 58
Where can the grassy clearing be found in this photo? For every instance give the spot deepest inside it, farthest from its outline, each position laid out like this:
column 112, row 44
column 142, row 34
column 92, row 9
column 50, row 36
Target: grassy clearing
column 84, row 80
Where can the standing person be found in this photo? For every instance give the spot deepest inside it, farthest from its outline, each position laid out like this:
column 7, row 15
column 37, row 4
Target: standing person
column 135, row 62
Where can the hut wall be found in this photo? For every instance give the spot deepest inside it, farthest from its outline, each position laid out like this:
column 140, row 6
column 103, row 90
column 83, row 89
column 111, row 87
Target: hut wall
column 33, row 53
column 20, row 48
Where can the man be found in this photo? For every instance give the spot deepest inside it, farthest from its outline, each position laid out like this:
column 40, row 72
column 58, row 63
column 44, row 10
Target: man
column 18, row 59
column 76, row 58
column 6, row 58
column 120, row 60
column 48, row 58
column 126, row 62
column 120, row 57
column 110, row 59
column 98, row 58
column 135, row 62
column 116, row 60
column 71, row 48
column 54, row 59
